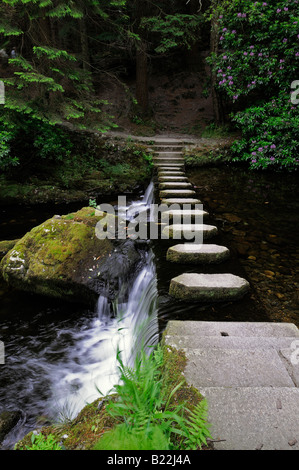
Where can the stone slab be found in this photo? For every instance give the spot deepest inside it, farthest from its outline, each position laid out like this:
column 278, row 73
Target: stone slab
column 168, row 173
column 281, row 344
column 168, row 159
column 169, row 179
column 181, row 201
column 256, row 418
column 208, row 287
column 175, row 185
column 177, row 193
column 197, row 254
column 167, row 154
column 179, row 231
column 239, row 329
column 224, row 367
column 179, row 216
column 162, row 168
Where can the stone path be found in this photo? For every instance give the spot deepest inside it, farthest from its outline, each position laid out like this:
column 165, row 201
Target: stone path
column 175, row 190
column 248, row 372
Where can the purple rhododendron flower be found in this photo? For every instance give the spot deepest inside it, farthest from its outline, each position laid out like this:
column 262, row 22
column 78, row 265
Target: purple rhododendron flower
column 273, row 146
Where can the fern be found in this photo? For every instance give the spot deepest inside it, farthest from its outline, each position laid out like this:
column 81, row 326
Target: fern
column 143, row 411
column 197, row 427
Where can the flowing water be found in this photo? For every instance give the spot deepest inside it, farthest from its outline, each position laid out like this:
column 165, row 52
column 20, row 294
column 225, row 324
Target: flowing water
column 58, row 358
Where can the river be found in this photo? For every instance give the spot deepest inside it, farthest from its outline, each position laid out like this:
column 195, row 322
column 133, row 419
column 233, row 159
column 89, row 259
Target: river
column 58, row 356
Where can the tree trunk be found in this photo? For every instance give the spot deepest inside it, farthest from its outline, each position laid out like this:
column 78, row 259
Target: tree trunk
column 142, row 78
column 84, row 45
column 215, row 95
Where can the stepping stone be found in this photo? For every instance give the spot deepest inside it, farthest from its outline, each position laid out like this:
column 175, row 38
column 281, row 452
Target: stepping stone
column 167, row 148
column 181, row 201
column 169, row 159
column 175, row 185
column 180, row 215
column 167, row 173
column 177, row 192
column 169, row 154
column 167, row 179
column 179, row 231
column 233, row 329
column 208, row 287
column 168, row 169
column 197, row 254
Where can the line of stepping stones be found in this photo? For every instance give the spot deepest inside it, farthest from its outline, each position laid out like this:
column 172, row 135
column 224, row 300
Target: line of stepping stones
column 175, row 188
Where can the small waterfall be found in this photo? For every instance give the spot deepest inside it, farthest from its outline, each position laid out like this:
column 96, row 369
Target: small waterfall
column 92, row 365
column 136, row 207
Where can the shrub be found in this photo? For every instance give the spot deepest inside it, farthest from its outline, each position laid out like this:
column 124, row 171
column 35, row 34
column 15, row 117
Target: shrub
column 257, row 61
column 149, row 419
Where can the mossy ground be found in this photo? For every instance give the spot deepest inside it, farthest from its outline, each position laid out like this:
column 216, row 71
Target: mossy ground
column 83, row 432
column 210, row 151
column 102, row 168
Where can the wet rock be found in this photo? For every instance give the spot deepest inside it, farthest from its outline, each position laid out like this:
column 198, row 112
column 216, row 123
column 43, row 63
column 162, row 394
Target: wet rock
column 208, row 287
column 197, row 254
column 8, row 420
column 6, row 246
column 64, row 258
column 231, row 218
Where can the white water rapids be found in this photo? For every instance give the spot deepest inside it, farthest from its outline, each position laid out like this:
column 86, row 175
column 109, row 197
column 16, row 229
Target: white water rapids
column 91, row 365
column 92, row 361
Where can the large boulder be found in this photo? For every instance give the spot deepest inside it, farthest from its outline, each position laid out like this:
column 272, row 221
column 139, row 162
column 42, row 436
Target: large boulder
column 64, row 258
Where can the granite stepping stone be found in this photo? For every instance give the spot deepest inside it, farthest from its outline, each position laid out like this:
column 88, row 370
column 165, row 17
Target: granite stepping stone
column 169, row 179
column 181, row 201
column 175, row 185
column 177, row 192
column 168, row 173
column 182, row 215
column 208, row 287
column 197, row 253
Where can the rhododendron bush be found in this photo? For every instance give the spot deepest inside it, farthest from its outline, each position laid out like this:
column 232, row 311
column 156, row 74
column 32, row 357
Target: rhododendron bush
column 256, row 63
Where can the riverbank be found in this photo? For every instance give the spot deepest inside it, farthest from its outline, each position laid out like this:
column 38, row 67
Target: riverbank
column 97, row 167
column 173, row 396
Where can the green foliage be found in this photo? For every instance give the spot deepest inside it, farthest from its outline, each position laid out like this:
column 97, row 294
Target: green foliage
column 257, row 61
column 176, row 30
column 41, row 442
column 270, row 135
column 25, row 138
column 148, row 417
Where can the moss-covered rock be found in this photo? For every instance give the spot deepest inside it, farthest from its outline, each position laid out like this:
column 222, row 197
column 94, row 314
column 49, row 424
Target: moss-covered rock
column 6, row 246
column 64, row 258
column 8, row 420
